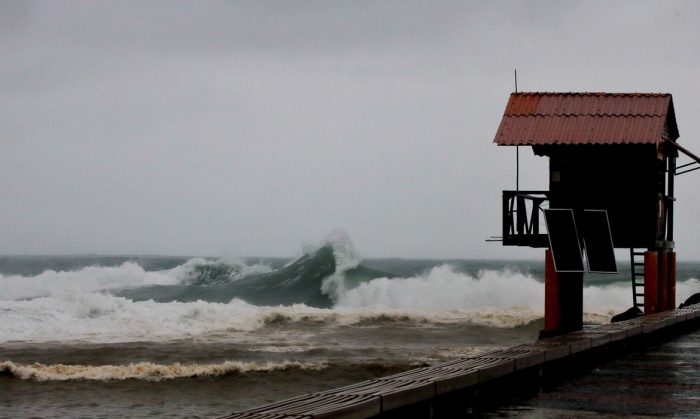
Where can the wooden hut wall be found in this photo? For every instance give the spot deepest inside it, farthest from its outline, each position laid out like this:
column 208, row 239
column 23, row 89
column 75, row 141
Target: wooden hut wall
column 626, row 180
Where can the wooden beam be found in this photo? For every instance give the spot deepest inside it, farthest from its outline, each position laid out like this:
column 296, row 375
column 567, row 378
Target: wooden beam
column 683, row 150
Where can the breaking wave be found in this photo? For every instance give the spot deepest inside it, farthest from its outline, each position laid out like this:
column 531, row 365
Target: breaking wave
column 443, row 287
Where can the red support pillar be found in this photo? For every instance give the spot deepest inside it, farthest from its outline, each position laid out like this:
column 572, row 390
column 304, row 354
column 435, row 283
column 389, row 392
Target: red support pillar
column 651, row 282
column 552, row 308
column 663, row 282
column 671, row 280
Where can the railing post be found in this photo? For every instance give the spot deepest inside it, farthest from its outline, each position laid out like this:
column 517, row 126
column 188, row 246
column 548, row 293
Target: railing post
column 520, row 224
column 535, row 217
column 506, row 224
column 522, row 214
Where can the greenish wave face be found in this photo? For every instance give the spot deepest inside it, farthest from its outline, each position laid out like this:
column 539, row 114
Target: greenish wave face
column 299, row 282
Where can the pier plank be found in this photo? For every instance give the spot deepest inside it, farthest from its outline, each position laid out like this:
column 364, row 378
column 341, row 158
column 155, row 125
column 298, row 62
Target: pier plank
column 444, row 379
column 523, row 358
column 392, row 393
column 552, row 350
column 614, row 331
column 252, row 415
column 597, row 338
column 488, row 368
column 319, row 406
column 577, row 343
column 450, row 380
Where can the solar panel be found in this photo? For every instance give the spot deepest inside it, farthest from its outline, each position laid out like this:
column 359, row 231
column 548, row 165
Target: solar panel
column 563, row 240
column 597, row 242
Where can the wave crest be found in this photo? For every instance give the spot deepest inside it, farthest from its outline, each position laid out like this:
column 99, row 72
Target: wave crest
column 346, row 257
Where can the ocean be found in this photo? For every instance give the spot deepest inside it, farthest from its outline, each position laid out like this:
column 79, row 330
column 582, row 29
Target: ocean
column 143, row 336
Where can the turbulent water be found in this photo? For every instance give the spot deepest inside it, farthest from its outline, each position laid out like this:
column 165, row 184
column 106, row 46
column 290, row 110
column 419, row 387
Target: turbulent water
column 144, row 336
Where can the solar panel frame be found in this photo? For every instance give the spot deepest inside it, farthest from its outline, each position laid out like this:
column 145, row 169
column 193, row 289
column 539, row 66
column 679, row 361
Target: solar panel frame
column 588, row 230
column 558, row 261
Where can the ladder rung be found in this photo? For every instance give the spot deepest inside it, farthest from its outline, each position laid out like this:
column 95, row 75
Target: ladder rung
column 638, row 264
column 639, row 253
column 636, row 294
column 639, row 284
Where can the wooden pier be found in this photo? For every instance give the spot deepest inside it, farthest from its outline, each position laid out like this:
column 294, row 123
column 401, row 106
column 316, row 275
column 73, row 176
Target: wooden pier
column 475, row 384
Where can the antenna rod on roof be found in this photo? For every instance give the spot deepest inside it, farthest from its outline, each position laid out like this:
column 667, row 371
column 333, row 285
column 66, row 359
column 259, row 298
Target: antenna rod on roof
column 517, row 168
column 517, row 147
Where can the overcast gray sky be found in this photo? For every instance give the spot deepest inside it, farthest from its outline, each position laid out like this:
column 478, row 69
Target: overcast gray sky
column 250, row 128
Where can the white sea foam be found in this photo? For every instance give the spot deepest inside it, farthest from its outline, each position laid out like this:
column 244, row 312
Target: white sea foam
column 145, row 370
column 284, row 349
column 91, row 278
column 444, row 288
column 96, row 317
column 612, row 299
column 108, row 278
column 492, row 298
column 499, row 292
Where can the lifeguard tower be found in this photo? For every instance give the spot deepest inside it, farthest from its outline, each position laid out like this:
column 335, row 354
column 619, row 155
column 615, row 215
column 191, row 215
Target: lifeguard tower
column 612, row 162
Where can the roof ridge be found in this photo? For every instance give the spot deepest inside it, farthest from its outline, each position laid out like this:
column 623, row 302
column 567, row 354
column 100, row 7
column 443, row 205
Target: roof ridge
column 630, row 94
column 596, row 115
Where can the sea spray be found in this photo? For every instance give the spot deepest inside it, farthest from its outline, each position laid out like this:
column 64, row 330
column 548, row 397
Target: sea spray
column 346, row 257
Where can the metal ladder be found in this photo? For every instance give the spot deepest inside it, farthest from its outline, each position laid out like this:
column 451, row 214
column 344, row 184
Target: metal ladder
column 637, row 268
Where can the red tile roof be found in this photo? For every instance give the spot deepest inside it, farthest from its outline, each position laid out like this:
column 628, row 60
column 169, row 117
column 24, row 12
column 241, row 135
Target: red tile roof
column 587, row 118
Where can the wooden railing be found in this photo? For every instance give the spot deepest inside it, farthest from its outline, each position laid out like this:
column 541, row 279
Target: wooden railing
column 521, row 218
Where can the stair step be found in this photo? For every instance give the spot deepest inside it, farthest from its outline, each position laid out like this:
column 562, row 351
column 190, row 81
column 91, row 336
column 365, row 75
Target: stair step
column 637, row 265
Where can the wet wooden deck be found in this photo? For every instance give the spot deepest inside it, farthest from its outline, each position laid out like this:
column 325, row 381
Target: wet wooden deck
column 475, row 385
column 661, row 380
